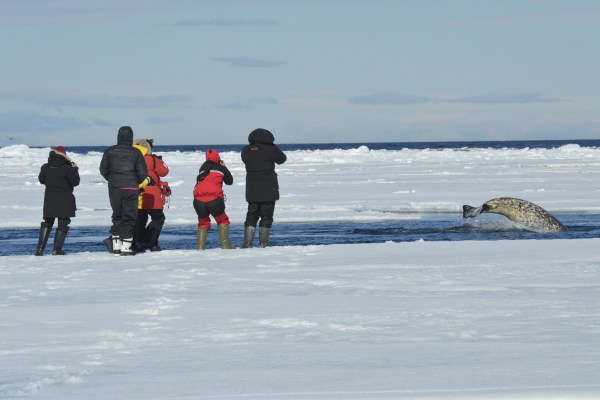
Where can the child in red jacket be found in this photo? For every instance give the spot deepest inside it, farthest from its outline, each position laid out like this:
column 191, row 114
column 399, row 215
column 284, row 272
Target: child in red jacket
column 210, row 200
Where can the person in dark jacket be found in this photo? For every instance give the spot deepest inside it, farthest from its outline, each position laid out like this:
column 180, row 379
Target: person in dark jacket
column 60, row 175
column 124, row 168
column 262, row 188
column 209, row 199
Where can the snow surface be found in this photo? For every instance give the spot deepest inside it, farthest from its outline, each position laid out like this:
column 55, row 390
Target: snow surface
column 420, row 320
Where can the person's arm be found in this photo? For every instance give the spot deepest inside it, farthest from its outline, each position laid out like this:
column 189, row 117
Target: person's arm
column 73, row 176
column 278, row 156
column 160, row 167
column 227, row 177
column 104, row 170
column 42, row 176
column 140, row 166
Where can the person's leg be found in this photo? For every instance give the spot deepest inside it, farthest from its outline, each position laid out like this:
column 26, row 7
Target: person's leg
column 61, row 235
column 128, row 218
column 266, row 212
column 267, row 209
column 45, row 229
column 153, row 229
column 203, row 224
column 217, row 210
column 114, row 196
column 252, row 216
column 140, row 229
column 223, row 224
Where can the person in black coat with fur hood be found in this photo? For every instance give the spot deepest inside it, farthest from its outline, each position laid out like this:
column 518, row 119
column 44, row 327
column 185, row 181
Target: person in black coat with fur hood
column 262, row 187
column 60, row 175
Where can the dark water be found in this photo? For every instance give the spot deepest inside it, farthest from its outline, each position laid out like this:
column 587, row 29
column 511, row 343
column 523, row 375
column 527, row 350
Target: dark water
column 510, row 144
column 431, row 227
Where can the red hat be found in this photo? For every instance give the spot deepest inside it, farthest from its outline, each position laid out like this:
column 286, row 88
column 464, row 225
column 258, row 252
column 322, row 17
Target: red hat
column 60, row 149
column 213, row 155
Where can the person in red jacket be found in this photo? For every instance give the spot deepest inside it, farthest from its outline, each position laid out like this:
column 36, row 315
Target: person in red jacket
column 151, row 201
column 209, row 199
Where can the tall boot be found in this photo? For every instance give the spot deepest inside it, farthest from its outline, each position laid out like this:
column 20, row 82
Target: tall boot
column 201, row 238
column 224, row 237
column 127, row 247
column 45, row 230
column 59, row 241
column 152, row 233
column 263, row 236
column 248, row 236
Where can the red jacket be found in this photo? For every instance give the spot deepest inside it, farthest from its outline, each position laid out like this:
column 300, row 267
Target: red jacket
column 153, row 197
column 211, row 177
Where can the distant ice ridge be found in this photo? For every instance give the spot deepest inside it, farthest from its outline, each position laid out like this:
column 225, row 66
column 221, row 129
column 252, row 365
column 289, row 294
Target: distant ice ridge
column 358, row 184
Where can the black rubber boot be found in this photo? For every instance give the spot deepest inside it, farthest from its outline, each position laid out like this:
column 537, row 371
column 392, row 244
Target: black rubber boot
column 152, row 233
column 45, row 230
column 263, row 236
column 59, row 241
column 248, row 236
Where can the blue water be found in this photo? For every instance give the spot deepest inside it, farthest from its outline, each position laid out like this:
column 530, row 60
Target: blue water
column 512, row 144
column 430, row 227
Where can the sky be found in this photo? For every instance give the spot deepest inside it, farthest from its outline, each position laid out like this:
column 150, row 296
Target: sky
column 313, row 71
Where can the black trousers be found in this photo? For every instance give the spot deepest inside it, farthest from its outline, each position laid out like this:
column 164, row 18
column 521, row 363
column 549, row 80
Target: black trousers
column 147, row 236
column 215, row 207
column 263, row 210
column 124, row 204
column 63, row 223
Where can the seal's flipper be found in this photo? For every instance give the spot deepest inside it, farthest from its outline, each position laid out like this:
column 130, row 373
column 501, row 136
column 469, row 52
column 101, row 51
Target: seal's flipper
column 470, row 212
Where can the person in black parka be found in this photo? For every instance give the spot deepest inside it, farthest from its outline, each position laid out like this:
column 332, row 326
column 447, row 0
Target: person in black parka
column 124, row 168
column 262, row 188
column 60, row 175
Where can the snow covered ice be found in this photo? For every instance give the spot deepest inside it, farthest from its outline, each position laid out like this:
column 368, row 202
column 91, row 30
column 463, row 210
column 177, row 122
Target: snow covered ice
column 513, row 319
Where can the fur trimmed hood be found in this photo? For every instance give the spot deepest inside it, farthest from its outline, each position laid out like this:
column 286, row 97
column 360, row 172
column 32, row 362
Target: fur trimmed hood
column 145, row 143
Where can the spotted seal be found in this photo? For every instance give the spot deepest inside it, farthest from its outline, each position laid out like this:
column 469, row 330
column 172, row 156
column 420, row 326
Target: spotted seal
column 520, row 211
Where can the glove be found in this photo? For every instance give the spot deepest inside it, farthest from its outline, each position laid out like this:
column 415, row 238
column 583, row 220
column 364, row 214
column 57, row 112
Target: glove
column 148, row 181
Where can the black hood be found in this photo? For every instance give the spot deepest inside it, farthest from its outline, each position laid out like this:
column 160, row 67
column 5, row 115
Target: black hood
column 56, row 159
column 261, row 136
column 125, row 135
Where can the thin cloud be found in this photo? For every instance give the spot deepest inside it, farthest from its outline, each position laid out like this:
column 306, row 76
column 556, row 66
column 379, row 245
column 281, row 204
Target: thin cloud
column 95, row 100
column 224, row 23
column 515, row 98
column 249, row 104
column 387, row 98
column 532, row 18
column 60, row 12
column 401, row 99
column 162, row 120
column 36, row 123
column 244, row 62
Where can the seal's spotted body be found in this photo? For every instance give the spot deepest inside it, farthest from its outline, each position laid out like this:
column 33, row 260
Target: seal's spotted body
column 523, row 212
